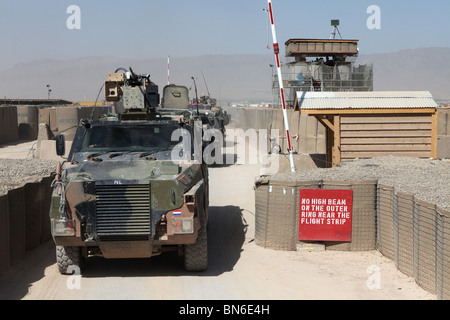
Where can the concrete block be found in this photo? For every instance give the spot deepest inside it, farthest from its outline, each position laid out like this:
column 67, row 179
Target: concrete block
column 44, row 133
column 443, row 121
column 28, row 120
column 47, row 150
column 67, row 119
column 9, row 131
column 443, row 147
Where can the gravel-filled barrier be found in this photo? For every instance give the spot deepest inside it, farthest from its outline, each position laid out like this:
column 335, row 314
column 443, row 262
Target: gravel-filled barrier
column 428, row 180
column 400, row 207
column 277, row 213
column 25, row 192
column 16, row 172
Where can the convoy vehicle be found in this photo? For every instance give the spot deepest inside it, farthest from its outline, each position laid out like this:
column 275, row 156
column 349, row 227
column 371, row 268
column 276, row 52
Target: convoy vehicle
column 132, row 186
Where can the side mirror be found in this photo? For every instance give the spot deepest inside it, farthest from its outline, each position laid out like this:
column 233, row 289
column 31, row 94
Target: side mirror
column 60, row 145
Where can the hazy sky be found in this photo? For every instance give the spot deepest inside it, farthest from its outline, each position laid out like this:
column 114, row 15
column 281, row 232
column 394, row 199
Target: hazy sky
column 36, row 29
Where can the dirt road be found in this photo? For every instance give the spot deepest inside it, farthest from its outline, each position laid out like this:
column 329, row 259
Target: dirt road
column 238, row 268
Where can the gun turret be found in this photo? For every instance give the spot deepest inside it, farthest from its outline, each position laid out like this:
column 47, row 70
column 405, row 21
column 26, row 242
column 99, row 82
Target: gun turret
column 135, row 96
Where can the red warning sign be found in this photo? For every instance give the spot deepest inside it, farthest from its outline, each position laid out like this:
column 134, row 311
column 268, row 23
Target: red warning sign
column 325, row 215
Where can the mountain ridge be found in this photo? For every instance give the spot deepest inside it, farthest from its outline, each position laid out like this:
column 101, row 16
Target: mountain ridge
column 240, row 77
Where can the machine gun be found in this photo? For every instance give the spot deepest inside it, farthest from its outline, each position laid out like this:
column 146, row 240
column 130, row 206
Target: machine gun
column 135, row 96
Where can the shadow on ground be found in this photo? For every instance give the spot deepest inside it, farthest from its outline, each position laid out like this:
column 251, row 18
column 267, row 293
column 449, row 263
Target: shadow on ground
column 15, row 283
column 226, row 235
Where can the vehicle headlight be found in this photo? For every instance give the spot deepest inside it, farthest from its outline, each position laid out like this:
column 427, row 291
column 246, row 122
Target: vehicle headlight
column 63, row 227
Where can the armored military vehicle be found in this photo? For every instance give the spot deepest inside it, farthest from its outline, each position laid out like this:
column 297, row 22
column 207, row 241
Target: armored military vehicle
column 131, row 186
column 217, row 117
column 176, row 104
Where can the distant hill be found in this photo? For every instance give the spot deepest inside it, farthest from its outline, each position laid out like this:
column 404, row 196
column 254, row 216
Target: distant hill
column 424, row 69
column 228, row 77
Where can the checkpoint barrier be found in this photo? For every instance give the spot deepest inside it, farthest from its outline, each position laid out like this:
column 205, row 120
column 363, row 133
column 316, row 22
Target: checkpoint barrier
column 411, row 232
column 24, row 220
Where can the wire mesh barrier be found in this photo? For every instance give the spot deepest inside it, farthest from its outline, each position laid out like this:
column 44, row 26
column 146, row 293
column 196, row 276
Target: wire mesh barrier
column 277, row 218
column 424, row 244
column 442, row 254
column 403, row 232
column 385, row 218
column 363, row 215
column 276, row 221
column 413, row 233
column 24, row 220
column 417, row 239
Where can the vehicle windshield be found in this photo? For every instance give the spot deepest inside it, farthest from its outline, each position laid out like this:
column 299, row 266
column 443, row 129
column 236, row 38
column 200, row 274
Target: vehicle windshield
column 128, row 138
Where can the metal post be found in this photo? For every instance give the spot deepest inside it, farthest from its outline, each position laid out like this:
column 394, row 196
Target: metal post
column 276, row 50
column 168, row 70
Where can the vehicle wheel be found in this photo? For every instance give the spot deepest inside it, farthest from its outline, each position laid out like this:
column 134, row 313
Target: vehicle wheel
column 68, row 259
column 196, row 255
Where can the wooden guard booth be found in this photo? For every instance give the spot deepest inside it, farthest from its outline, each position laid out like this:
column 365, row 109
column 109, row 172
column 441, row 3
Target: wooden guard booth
column 372, row 124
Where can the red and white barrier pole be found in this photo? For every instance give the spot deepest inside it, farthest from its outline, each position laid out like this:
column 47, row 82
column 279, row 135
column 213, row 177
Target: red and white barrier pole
column 276, row 50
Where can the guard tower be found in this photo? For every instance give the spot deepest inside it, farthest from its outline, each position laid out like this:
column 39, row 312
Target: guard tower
column 323, row 65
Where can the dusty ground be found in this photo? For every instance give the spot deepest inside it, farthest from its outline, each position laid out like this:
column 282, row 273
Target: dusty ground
column 239, row 269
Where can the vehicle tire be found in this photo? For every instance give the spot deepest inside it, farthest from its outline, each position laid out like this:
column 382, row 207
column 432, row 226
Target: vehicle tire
column 68, row 259
column 196, row 255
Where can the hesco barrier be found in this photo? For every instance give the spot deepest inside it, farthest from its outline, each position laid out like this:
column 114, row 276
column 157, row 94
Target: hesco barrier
column 8, row 124
column 416, row 235
column 276, row 219
column 277, row 213
column 24, row 220
column 363, row 215
column 4, row 234
column 413, row 233
column 28, row 122
column 68, row 118
column 442, row 254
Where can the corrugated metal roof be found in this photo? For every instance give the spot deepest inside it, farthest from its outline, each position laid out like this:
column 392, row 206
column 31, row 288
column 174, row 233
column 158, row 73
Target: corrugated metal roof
column 365, row 100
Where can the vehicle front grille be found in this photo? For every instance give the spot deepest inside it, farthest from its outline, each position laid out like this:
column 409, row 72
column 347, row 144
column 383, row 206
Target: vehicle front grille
column 123, row 211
